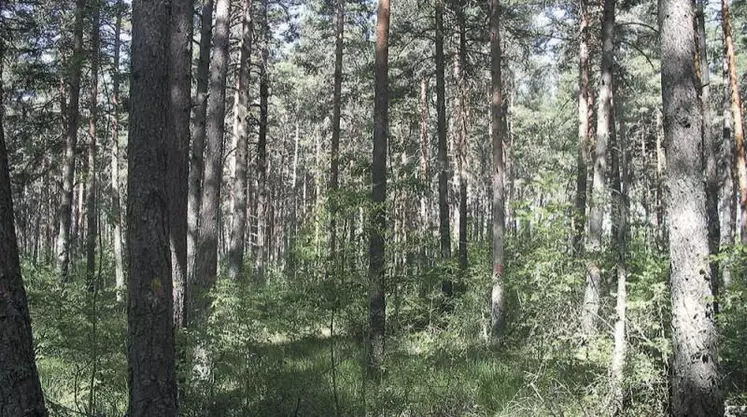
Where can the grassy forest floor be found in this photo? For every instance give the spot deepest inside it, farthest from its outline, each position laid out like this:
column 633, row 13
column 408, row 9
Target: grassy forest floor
column 296, row 350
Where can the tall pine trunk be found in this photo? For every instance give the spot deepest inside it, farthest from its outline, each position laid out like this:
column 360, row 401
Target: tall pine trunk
column 150, row 353
column 444, row 229
column 695, row 379
column 334, row 169
column 462, row 132
column 71, row 141
column 497, row 133
column 20, row 390
column 91, row 193
column 119, row 284
column 261, row 200
column 376, row 267
column 241, row 136
column 180, row 71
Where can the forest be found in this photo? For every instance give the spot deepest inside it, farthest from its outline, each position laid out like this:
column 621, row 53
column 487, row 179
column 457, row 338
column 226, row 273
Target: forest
column 373, row 208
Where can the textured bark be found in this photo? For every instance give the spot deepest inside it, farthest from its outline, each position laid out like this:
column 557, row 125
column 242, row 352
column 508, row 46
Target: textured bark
column 261, row 201
column 497, row 133
column 71, row 141
column 444, row 229
column 710, row 147
column 462, row 120
column 206, row 267
column 334, row 169
column 20, row 390
column 728, row 205
column 695, row 380
column 150, row 353
column 180, row 70
column 119, row 283
column 241, row 136
column 376, row 267
column 425, row 224
column 736, row 116
column 91, row 193
column 584, row 140
column 605, row 134
column 197, row 149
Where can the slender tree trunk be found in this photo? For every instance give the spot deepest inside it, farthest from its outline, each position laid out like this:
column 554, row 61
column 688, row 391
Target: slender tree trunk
column 376, row 267
column 695, row 379
column 444, row 229
column 20, row 390
column 207, row 255
column 151, row 356
column 728, row 204
column 424, row 169
column 497, row 133
column 91, row 210
column 241, row 136
column 264, row 94
column 462, row 111
column 119, row 283
column 710, row 147
column 584, row 140
column 71, row 140
column 180, row 71
column 736, row 115
column 198, row 147
column 605, row 134
column 334, row 171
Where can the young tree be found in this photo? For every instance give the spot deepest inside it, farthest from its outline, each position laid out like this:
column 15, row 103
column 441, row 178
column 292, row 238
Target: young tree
column 71, row 141
column 20, row 390
column 497, row 132
column 180, row 105
column 377, row 267
column 241, row 136
column 695, row 379
column 151, row 357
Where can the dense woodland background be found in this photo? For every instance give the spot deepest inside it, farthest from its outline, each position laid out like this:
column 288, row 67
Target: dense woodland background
column 304, row 208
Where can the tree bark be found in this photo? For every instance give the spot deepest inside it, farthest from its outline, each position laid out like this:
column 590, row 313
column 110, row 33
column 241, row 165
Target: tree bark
column 264, row 94
column 334, row 170
column 207, row 255
column 461, row 120
column 71, row 140
column 241, row 136
column 180, row 71
column 151, row 357
column 91, row 193
column 736, row 115
column 497, row 133
column 695, row 379
column 20, row 390
column 119, row 284
column 197, row 149
column 728, row 211
column 444, row 229
column 376, row 267
column 584, row 140
column 605, row 134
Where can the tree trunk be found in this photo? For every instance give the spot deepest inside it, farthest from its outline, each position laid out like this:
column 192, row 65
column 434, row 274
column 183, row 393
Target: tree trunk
column 264, row 94
column 728, row 210
column 241, row 136
column 605, row 134
column 334, row 171
column 71, row 140
column 444, row 229
column 424, row 169
column 461, row 120
column 119, row 284
column 736, row 115
column 497, row 132
column 695, row 378
column 207, row 255
column 151, row 358
column 584, row 140
column 180, row 71
column 91, row 193
column 20, row 390
column 198, row 147
column 376, row 267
